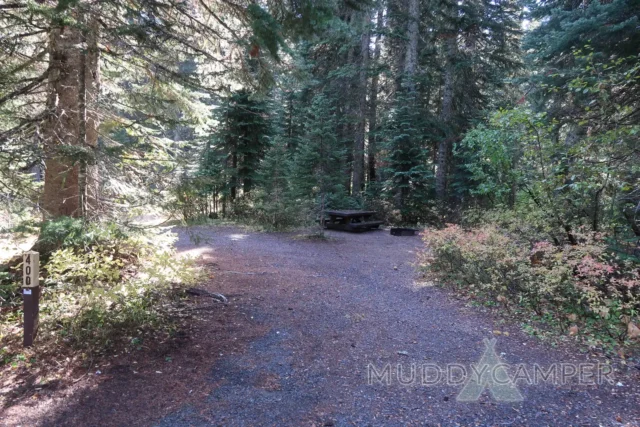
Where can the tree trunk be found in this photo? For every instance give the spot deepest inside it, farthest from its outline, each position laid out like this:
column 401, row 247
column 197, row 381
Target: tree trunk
column 446, row 116
column 411, row 57
column 290, row 113
column 408, row 85
column 88, row 114
column 69, row 187
column 247, row 185
column 397, row 10
column 373, row 104
column 349, row 127
column 234, row 172
column 358, row 148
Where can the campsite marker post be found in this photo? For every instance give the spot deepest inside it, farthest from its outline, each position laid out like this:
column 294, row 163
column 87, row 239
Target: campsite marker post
column 30, row 295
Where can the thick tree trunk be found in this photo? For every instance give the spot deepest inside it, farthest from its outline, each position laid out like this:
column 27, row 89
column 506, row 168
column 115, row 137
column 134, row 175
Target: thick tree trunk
column 411, row 57
column 69, row 188
column 60, row 196
column 358, row 147
column 398, row 11
column 446, row 117
column 373, row 102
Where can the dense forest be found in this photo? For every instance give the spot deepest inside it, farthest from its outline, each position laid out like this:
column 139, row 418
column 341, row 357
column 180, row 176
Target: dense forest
column 509, row 129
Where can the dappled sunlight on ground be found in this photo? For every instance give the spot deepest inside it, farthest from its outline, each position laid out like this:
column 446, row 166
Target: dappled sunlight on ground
column 237, row 237
column 195, row 252
column 10, row 245
column 419, row 284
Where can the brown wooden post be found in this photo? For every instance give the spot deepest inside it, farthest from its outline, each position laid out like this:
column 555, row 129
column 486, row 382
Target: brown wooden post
column 30, row 295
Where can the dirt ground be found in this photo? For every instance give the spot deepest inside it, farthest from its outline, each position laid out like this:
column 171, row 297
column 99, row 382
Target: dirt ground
column 305, row 321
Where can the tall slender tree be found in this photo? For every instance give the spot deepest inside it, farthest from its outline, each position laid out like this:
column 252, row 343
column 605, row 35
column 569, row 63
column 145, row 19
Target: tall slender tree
column 361, row 108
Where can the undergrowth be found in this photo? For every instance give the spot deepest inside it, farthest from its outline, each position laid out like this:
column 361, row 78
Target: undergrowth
column 104, row 286
column 584, row 291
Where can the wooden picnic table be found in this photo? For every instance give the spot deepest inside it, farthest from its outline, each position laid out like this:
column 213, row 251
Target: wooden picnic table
column 351, row 220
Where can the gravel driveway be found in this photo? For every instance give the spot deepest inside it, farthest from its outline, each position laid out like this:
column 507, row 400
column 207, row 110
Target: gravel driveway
column 329, row 311
column 306, row 323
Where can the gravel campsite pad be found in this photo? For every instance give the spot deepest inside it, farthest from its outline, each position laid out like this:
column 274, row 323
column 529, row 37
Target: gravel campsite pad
column 306, row 320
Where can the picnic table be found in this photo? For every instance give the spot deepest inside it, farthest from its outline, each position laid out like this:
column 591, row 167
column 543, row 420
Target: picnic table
column 351, row 220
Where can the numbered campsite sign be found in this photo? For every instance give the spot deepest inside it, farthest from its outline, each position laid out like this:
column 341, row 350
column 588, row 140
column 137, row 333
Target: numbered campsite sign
column 30, row 295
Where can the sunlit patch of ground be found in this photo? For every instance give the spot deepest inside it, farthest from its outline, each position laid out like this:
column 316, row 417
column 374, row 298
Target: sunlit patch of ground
column 419, row 284
column 200, row 252
column 12, row 244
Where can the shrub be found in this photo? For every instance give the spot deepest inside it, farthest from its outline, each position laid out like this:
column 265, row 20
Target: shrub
column 104, row 283
column 585, row 284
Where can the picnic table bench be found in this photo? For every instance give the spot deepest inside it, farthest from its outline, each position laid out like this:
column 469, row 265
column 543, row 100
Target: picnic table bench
column 351, row 220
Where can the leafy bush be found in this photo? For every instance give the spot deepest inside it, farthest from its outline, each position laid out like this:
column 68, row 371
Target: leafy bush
column 584, row 284
column 525, row 220
column 66, row 232
column 104, row 283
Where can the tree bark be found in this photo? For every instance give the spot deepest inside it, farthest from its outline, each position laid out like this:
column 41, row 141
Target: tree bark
column 234, row 176
column 408, row 84
column 373, row 101
column 349, row 127
column 70, row 185
column 72, row 120
column 89, row 86
column 446, row 116
column 411, row 56
column 60, row 195
column 358, row 147
column 397, row 10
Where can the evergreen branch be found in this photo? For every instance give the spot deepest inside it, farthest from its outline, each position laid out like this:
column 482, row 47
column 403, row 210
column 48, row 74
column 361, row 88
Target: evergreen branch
column 25, row 89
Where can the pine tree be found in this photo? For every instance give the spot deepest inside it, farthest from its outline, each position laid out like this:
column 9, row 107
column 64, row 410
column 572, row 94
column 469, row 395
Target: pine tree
column 409, row 178
column 60, row 57
column 479, row 42
column 372, row 149
column 318, row 165
column 609, row 29
column 242, row 136
column 275, row 203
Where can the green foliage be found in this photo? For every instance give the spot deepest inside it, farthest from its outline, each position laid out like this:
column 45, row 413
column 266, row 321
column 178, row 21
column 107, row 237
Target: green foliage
column 410, row 183
column 318, row 166
column 266, row 30
column 491, row 153
column 229, row 166
column 8, row 291
column 258, row 113
column 577, row 178
column 104, row 283
column 67, row 232
column 275, row 205
column 583, row 285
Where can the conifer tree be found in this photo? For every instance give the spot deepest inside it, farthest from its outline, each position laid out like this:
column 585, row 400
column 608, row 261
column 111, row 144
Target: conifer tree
column 479, row 42
column 242, row 135
column 275, row 203
column 58, row 56
column 318, row 166
column 609, row 29
column 408, row 174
